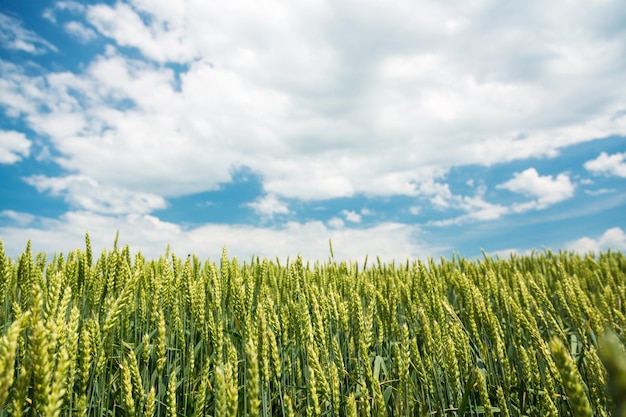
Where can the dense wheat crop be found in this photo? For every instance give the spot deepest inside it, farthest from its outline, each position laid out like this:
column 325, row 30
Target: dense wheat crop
column 126, row 336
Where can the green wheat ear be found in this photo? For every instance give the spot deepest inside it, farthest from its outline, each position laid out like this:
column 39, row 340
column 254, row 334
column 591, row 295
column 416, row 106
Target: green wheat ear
column 572, row 381
column 614, row 360
column 8, row 350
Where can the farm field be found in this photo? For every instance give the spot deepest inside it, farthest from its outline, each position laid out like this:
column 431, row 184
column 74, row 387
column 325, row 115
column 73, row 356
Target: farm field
column 116, row 334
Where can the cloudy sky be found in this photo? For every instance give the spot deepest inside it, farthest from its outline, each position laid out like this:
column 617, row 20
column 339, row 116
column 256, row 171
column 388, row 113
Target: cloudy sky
column 397, row 128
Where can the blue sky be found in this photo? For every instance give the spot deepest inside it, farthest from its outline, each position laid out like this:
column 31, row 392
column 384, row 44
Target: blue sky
column 405, row 129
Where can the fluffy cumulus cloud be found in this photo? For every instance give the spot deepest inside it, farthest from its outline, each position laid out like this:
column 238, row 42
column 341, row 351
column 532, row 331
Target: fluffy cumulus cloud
column 608, row 164
column 351, row 216
column 13, row 146
column 613, row 238
column 336, row 223
column 269, row 206
column 474, row 207
column 545, row 190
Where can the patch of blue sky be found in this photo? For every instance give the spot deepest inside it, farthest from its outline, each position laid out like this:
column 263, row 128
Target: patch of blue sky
column 370, row 210
column 13, row 123
column 574, row 157
column 550, row 228
column 595, row 205
column 228, row 204
column 570, row 161
column 469, row 240
column 15, row 194
column 69, row 55
column 552, row 234
column 582, row 151
column 178, row 69
column 19, row 197
column 362, row 211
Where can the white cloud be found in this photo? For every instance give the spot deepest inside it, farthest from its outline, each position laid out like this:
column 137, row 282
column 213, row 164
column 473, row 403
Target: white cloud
column 49, row 15
column 14, row 36
column 439, row 193
column 87, row 194
column 285, row 89
column 74, row 7
column 351, row 216
column 162, row 38
column 82, row 32
column 336, row 223
column 613, row 238
column 546, row 190
column 269, row 205
column 476, row 208
column 608, row 164
column 150, row 235
column 20, row 218
column 600, row 191
column 13, row 147
column 482, row 210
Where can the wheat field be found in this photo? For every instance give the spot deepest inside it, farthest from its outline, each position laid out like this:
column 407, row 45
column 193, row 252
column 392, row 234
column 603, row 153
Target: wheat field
column 121, row 335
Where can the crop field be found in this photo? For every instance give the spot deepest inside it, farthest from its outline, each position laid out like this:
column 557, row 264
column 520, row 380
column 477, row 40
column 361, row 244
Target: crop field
column 121, row 335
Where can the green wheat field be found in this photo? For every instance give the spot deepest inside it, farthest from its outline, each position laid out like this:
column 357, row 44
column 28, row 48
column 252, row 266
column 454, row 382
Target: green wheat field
column 121, row 335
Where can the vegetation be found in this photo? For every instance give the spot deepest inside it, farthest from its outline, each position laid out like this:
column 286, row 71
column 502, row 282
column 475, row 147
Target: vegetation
column 538, row 335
